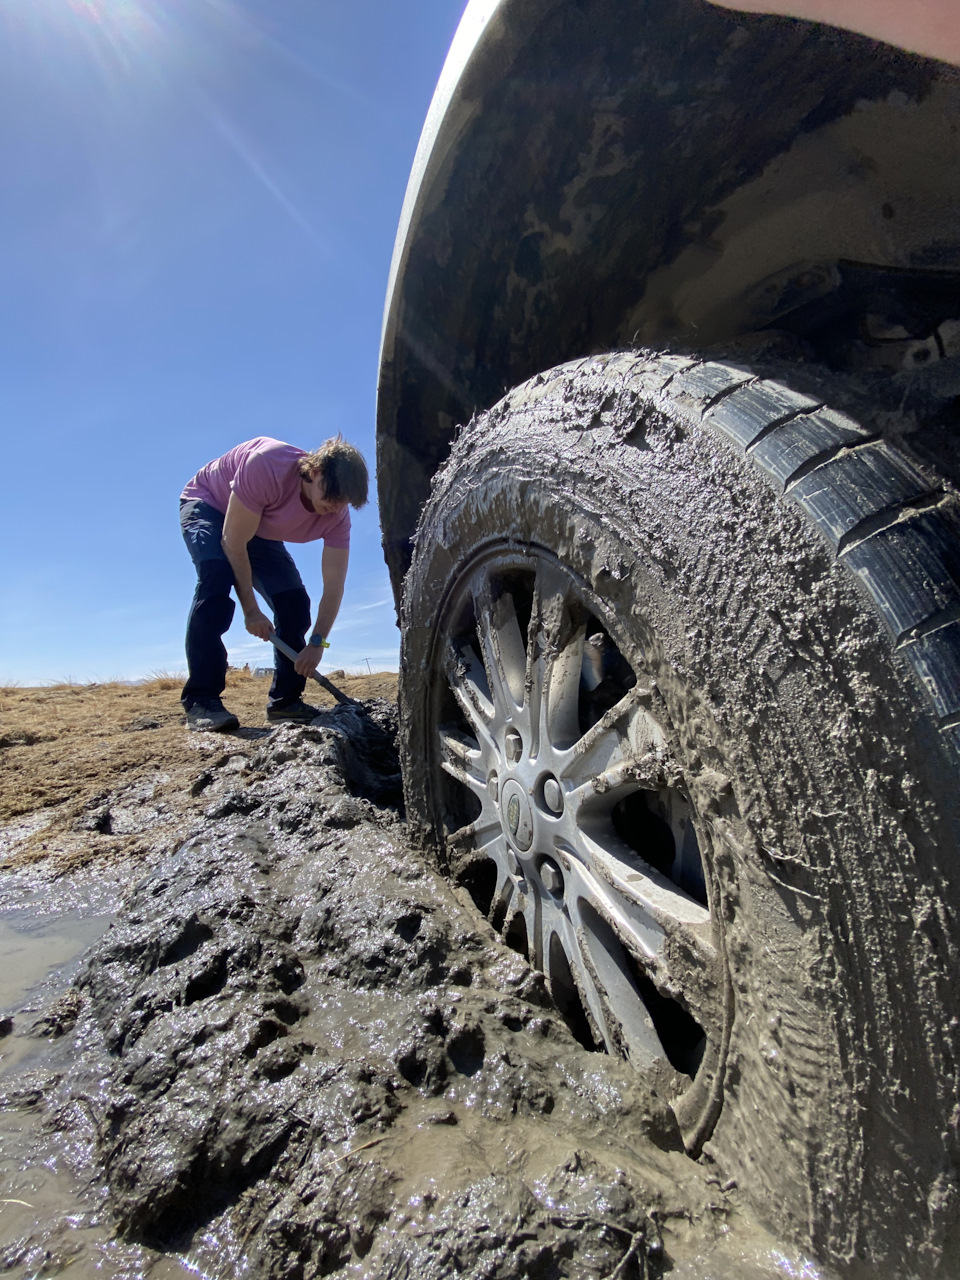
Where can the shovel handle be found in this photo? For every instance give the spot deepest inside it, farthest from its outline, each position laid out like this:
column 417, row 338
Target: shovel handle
column 282, row 647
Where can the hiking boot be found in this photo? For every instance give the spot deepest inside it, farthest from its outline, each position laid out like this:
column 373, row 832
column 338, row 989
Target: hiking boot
column 298, row 712
column 210, row 716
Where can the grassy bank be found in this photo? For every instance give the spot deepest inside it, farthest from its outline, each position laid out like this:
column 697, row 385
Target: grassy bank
column 108, row 771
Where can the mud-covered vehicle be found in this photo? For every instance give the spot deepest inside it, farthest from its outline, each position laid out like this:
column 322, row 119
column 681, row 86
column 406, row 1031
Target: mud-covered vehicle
column 668, row 460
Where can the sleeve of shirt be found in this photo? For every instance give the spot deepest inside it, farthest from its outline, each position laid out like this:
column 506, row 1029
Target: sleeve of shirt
column 255, row 482
column 339, row 535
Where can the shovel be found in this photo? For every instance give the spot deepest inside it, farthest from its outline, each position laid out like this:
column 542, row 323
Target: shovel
column 324, row 683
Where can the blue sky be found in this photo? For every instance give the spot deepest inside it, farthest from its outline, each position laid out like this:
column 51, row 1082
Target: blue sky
column 199, row 201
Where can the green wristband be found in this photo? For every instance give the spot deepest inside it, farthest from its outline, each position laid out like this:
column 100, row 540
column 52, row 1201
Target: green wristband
column 318, row 641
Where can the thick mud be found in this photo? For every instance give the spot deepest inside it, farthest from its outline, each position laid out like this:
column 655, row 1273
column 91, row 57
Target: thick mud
column 296, row 1052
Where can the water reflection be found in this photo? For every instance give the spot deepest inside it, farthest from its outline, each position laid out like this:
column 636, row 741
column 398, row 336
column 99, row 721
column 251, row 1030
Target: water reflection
column 52, row 1215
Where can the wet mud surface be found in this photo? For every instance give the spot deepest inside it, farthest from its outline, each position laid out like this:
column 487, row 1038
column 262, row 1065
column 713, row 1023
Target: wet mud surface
column 295, row 1051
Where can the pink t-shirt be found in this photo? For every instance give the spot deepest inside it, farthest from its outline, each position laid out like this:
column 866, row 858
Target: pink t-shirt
column 263, row 474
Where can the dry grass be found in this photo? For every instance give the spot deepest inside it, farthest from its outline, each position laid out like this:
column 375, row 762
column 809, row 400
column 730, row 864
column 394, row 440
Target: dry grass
column 68, row 752
column 160, row 680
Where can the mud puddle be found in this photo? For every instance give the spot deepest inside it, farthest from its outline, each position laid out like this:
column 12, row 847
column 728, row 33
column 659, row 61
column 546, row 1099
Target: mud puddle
column 52, row 1212
column 31, row 949
column 298, row 1052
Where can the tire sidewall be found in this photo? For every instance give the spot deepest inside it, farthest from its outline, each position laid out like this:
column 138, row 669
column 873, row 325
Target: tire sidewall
column 797, row 744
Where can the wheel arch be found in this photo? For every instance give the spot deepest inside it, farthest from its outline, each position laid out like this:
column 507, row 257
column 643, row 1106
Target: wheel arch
column 671, row 173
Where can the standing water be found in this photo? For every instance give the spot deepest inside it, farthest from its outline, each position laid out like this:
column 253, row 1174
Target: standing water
column 52, row 1214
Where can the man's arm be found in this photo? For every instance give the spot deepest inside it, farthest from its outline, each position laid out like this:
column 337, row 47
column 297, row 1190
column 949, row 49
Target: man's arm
column 334, row 569
column 239, row 526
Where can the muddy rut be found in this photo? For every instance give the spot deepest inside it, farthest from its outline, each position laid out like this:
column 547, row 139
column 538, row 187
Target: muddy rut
column 297, row 1052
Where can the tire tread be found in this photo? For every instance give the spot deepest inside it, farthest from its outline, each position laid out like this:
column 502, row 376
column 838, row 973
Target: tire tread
column 789, row 451
column 870, row 502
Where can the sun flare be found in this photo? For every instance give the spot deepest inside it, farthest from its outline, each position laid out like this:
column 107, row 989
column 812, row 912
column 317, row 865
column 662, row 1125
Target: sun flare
column 124, row 28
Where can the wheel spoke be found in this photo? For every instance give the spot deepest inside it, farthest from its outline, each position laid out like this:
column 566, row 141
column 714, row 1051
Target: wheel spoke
column 535, row 662
column 589, row 833
column 560, row 639
column 484, row 833
column 601, row 745
column 467, row 681
column 527, row 905
column 534, row 914
column 625, row 748
column 463, row 761
column 573, row 991
column 665, row 932
column 503, row 648
column 503, row 894
column 627, row 1025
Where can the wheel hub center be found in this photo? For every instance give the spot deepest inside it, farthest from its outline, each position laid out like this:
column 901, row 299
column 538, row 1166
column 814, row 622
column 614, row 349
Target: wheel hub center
column 516, row 814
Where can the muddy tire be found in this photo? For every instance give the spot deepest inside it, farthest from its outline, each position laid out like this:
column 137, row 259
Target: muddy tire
column 676, row 728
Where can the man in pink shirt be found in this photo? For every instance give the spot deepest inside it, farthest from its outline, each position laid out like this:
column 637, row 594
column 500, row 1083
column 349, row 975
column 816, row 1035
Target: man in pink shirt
column 236, row 514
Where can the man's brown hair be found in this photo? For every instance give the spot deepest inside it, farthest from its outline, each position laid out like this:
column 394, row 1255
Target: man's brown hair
column 342, row 470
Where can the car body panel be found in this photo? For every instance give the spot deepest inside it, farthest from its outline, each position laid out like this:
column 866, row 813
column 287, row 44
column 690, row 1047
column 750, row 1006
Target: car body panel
column 598, row 174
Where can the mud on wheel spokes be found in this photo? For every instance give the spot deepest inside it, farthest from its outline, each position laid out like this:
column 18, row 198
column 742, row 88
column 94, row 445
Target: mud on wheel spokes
column 568, row 820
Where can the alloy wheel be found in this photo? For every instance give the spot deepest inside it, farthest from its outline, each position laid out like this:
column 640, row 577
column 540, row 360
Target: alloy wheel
column 567, row 814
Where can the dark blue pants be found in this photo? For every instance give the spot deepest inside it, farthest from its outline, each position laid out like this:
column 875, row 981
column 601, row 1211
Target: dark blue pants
column 275, row 577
